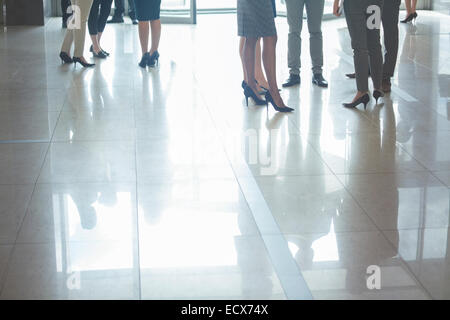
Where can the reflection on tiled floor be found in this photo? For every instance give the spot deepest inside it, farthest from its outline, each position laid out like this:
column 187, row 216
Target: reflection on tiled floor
column 120, row 183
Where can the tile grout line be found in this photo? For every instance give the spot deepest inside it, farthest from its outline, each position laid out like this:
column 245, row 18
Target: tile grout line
column 391, row 245
column 286, row 269
column 27, row 207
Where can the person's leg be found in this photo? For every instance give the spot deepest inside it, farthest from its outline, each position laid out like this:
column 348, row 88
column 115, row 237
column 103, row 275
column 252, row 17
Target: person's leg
column 143, row 35
column 120, row 8
column 249, row 62
column 259, row 73
column 93, row 24
column 105, row 9
column 65, row 15
column 355, row 15
column 294, row 9
column 390, row 17
column 131, row 10
column 375, row 53
column 314, row 11
column 241, row 55
column 408, row 7
column 413, row 5
column 80, row 34
column 156, row 35
column 68, row 40
column 270, row 66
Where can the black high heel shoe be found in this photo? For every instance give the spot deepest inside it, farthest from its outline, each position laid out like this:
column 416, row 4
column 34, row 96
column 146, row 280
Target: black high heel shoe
column 248, row 93
column 144, row 60
column 91, row 49
column 377, row 94
column 84, row 64
column 363, row 99
column 269, row 99
column 153, row 60
column 410, row 17
column 65, row 58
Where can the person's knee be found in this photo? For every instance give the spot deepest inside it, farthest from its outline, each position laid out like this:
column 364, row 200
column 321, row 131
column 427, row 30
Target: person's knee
column 317, row 35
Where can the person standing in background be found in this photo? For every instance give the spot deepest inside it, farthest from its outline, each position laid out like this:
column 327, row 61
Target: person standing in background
column 366, row 45
column 120, row 11
column 65, row 15
column 148, row 14
column 97, row 21
column 389, row 19
column 256, row 19
column 314, row 10
column 411, row 13
column 77, row 35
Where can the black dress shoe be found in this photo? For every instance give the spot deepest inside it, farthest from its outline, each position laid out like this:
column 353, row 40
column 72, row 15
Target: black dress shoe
column 318, row 80
column 115, row 20
column 134, row 21
column 351, row 75
column 293, row 80
column 64, row 24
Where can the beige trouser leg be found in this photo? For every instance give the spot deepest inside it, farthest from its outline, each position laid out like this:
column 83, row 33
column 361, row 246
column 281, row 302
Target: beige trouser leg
column 76, row 29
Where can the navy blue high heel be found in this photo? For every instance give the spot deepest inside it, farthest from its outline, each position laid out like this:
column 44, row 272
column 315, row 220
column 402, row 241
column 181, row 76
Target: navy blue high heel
column 153, row 59
column 248, row 93
column 269, row 99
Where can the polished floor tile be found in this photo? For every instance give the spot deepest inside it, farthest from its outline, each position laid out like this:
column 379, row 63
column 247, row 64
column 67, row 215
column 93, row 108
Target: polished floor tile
column 27, row 125
column 82, row 270
column 91, row 161
column 94, row 212
column 312, row 204
column 425, row 252
column 401, row 201
column 14, row 200
column 335, row 266
column 20, row 163
column 444, row 176
column 5, row 251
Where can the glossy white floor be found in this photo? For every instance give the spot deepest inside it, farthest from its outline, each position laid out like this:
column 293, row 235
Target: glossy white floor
column 117, row 182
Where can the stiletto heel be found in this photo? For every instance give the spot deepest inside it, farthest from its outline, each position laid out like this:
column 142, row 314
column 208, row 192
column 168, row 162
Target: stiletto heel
column 363, row 99
column 248, row 92
column 153, row 59
column 409, row 18
column 377, row 94
column 84, row 64
column 269, row 99
column 65, row 58
column 144, row 60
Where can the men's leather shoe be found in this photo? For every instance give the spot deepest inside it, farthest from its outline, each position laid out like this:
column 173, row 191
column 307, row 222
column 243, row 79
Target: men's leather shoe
column 319, row 80
column 293, row 80
column 134, row 21
column 386, row 85
column 115, row 20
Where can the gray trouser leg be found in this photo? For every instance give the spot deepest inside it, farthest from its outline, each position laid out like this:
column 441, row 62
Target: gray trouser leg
column 365, row 43
column 294, row 9
column 314, row 11
column 390, row 26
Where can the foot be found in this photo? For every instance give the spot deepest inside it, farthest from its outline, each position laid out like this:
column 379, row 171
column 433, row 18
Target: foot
column 294, row 79
column 115, row 20
column 359, row 94
column 277, row 98
column 262, row 83
column 351, row 75
column 134, row 21
column 319, row 80
column 386, row 85
column 64, row 24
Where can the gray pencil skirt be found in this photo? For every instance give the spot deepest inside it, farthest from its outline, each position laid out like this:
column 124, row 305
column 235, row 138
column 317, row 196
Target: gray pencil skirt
column 255, row 18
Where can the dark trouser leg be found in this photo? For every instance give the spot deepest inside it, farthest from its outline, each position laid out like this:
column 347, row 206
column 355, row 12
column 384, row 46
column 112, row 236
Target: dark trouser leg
column 93, row 17
column 64, row 6
column 356, row 21
column 314, row 10
column 105, row 9
column 375, row 53
column 131, row 10
column 120, row 8
column 390, row 26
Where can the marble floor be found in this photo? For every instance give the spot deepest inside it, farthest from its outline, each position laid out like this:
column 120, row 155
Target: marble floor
column 123, row 183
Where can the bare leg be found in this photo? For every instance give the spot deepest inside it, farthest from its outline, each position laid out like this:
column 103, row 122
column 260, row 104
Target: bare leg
column 270, row 66
column 259, row 73
column 414, row 5
column 156, row 35
column 408, row 7
column 241, row 54
column 99, row 37
column 143, row 35
column 249, row 62
column 95, row 43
